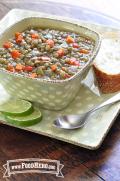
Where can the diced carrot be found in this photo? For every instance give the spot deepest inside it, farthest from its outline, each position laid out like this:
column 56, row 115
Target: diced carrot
column 17, row 34
column 73, row 61
column 15, row 54
column 53, row 68
column 28, row 68
column 69, row 39
column 50, row 42
column 33, row 75
column 23, row 67
column 35, row 36
column 7, row 45
column 10, row 68
column 19, row 39
column 84, row 51
column 19, row 67
column 61, row 52
column 75, row 45
column 70, row 61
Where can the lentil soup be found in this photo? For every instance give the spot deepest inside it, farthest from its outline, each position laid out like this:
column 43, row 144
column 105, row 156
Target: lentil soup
column 46, row 53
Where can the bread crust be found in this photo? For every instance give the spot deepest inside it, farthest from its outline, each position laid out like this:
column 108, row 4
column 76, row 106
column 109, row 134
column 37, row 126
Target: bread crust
column 107, row 83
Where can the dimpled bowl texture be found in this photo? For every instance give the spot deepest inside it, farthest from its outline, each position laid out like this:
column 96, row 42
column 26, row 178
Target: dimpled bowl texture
column 51, row 94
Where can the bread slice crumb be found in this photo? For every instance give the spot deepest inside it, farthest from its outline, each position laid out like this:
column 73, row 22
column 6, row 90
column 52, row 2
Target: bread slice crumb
column 107, row 66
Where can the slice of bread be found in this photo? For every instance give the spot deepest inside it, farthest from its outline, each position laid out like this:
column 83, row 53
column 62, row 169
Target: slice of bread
column 107, row 66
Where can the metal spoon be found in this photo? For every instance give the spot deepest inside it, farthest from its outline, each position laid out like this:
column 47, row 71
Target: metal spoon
column 77, row 121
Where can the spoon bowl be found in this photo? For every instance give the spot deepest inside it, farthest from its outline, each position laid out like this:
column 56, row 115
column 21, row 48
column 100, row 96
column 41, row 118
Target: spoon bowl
column 78, row 121
column 71, row 121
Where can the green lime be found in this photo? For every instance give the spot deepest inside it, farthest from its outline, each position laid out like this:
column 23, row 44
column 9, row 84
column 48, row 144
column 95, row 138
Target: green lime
column 28, row 120
column 16, row 107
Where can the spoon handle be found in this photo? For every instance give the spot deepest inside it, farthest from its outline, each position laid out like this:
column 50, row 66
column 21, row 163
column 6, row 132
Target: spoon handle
column 112, row 100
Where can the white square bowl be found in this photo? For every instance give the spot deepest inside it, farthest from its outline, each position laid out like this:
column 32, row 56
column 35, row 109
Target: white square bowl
column 51, row 94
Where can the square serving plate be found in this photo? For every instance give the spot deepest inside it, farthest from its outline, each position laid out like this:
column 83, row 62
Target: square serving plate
column 94, row 132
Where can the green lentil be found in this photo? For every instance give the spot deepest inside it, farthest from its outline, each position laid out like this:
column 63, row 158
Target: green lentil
column 3, row 61
column 39, row 71
column 47, row 48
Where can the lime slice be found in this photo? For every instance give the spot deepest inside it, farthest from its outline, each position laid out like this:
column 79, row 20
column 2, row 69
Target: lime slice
column 16, row 107
column 28, row 120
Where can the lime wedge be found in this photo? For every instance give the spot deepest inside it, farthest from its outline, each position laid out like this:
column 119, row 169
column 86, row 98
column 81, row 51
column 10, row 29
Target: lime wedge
column 28, row 120
column 16, row 107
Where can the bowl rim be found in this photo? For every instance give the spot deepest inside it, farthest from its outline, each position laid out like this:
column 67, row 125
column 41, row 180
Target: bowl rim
column 57, row 18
